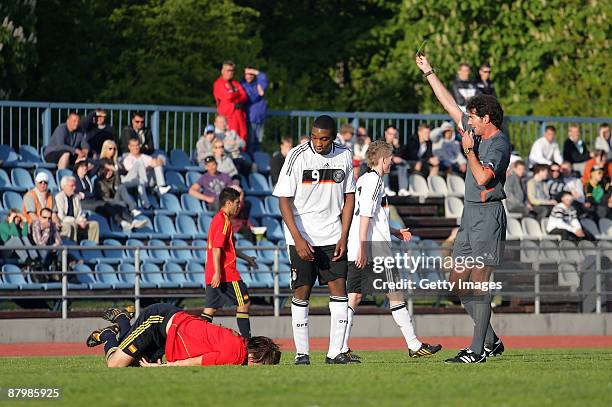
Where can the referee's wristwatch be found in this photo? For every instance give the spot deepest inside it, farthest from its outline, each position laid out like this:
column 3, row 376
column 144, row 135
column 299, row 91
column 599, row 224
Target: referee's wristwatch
column 467, row 150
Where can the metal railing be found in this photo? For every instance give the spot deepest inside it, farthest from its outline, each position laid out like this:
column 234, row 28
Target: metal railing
column 173, row 127
column 533, row 262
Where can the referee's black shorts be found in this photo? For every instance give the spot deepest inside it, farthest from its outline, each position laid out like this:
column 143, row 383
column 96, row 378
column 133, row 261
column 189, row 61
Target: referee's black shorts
column 306, row 272
column 148, row 333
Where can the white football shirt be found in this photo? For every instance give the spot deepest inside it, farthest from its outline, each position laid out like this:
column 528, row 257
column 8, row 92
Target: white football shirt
column 318, row 184
column 370, row 201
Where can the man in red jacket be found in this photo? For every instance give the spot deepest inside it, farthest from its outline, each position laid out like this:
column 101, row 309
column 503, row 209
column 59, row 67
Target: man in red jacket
column 230, row 97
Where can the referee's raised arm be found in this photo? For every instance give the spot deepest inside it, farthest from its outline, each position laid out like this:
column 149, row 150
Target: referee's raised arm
column 443, row 95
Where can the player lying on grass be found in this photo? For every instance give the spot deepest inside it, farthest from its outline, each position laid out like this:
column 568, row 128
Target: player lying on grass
column 186, row 341
column 370, row 232
column 223, row 281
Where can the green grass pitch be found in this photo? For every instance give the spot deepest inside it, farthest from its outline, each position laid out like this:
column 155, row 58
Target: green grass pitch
column 555, row 377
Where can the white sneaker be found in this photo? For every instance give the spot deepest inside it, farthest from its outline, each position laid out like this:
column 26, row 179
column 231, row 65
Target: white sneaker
column 136, row 212
column 403, row 192
column 126, row 226
column 389, row 192
column 138, row 223
column 164, row 190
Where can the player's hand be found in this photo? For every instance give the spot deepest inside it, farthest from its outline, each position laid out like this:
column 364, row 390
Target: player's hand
column 216, row 280
column 304, row 250
column 423, row 63
column 580, row 233
column 467, row 141
column 252, row 263
column 403, row 234
column 362, row 258
column 340, row 249
column 145, row 363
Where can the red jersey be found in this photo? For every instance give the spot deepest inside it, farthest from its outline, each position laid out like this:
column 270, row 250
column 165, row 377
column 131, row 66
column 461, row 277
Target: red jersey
column 190, row 336
column 220, row 236
column 230, row 98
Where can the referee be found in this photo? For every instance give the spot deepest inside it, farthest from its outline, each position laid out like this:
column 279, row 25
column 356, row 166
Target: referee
column 483, row 222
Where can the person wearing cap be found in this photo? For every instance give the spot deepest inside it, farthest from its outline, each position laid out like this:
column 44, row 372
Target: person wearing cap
column 210, row 184
column 38, row 198
column 599, row 159
column 596, row 188
column 448, row 149
column 69, row 211
column 204, row 146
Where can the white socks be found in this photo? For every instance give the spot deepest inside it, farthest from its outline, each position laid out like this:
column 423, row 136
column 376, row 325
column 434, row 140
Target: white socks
column 338, row 308
column 403, row 320
column 299, row 322
column 349, row 326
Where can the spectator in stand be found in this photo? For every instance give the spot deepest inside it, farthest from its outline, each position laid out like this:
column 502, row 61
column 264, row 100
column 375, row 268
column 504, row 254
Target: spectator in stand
column 68, row 143
column 278, row 159
column 484, row 84
column 97, row 131
column 418, row 150
column 224, row 163
column 360, row 149
column 563, row 221
column 109, row 155
column 345, row 136
column 230, row 98
column 514, row 155
column 537, row 192
column 111, row 199
column 84, row 185
column 556, row 183
column 14, row 233
column 603, row 141
column 516, row 191
column 595, row 189
column 71, row 216
column 39, row 198
column 600, row 159
column 255, row 84
column 574, row 149
column 139, row 132
column 233, row 145
column 545, row 150
column 204, row 146
column 210, row 184
column 448, row 149
column 399, row 164
column 45, row 233
column 146, row 170
column 572, row 183
column 463, row 88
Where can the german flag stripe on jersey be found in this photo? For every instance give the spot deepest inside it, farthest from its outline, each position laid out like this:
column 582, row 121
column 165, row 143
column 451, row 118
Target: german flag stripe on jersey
column 153, row 319
column 323, row 176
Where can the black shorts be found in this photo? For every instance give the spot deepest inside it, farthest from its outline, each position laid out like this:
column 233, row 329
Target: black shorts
column 54, row 156
column 148, row 333
column 306, row 272
column 365, row 281
column 233, row 292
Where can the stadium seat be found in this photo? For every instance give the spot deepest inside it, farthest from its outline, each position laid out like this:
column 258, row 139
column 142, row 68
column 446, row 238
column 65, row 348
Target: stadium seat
column 568, row 276
column 437, row 185
column 185, row 225
column 179, row 161
column 14, row 279
column 108, row 275
column 8, row 157
column 176, row 181
column 263, row 276
column 172, row 203
column 532, row 230
column 245, row 243
column 191, row 205
column 116, row 254
column 258, row 185
column 195, row 272
column 272, row 206
column 127, row 273
column 199, row 255
column 192, row 177
column 204, row 223
column 274, row 230
column 105, row 229
column 61, row 174
column 514, row 231
column 29, row 154
column 164, row 225
column 549, row 252
column 570, row 253
column 147, row 232
column 86, row 279
column 247, row 277
column 605, row 227
column 453, row 207
column 22, row 178
column 266, row 256
column 95, row 256
column 145, row 256
column 174, row 273
column 456, row 185
column 418, row 186
column 53, row 186
column 284, row 275
column 7, row 185
column 529, row 252
column 590, row 226
column 12, row 199
column 161, row 255
column 184, row 255
column 431, row 248
column 257, row 209
column 153, row 278
column 262, row 160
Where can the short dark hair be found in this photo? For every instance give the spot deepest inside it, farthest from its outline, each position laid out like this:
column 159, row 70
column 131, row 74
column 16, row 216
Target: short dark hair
column 326, row 122
column 461, row 65
column 263, row 350
column 603, row 125
column 138, row 113
column 228, row 194
column 73, row 113
column 562, row 194
column 484, row 105
column 229, row 63
column 550, row 127
column 46, row 210
column 286, row 139
column 539, row 168
column 80, row 164
column 423, row 125
column 519, row 162
column 390, row 127
column 485, row 65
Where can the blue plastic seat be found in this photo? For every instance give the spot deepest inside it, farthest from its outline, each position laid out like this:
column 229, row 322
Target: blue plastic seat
column 86, row 279
column 263, row 276
column 179, row 161
column 284, row 275
column 186, row 225
column 14, row 277
column 153, row 278
column 64, row 172
column 7, row 185
column 116, row 254
column 245, row 243
column 184, row 255
column 95, row 256
column 266, row 256
column 191, row 205
column 262, row 159
column 107, row 274
column 105, row 229
column 127, row 273
column 272, row 206
column 163, row 224
column 257, row 209
column 174, row 273
column 12, row 199
column 162, row 255
column 195, row 272
column 258, row 185
column 192, row 177
column 171, row 203
column 274, row 230
column 8, row 156
column 147, row 232
column 247, row 278
column 21, row 178
column 176, row 181
column 145, row 256
column 53, row 187
column 29, row 154
column 204, row 223
column 199, row 254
